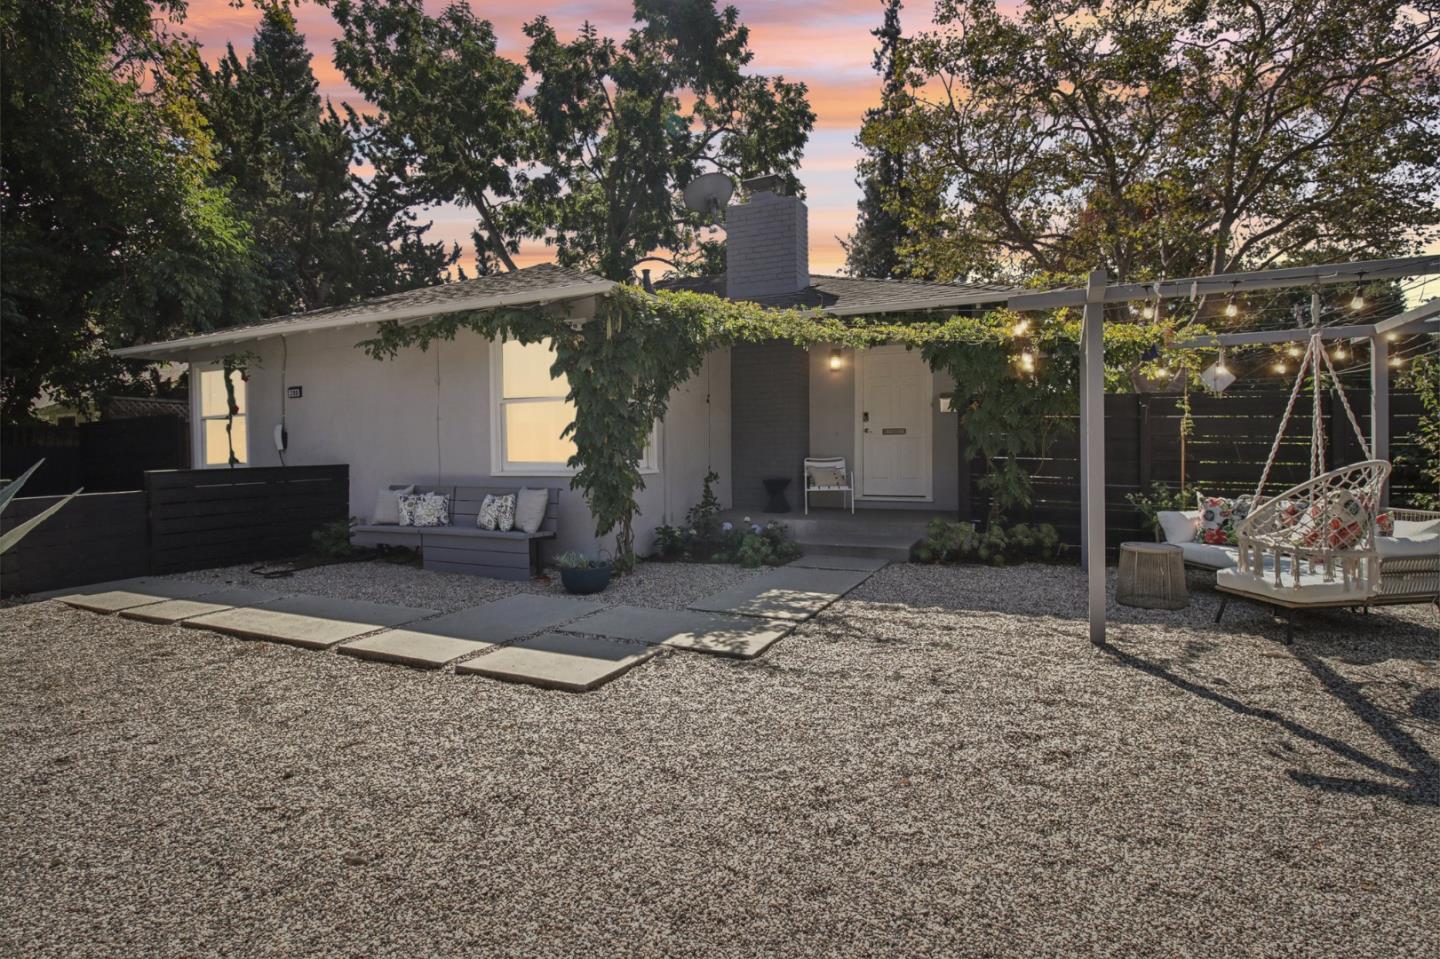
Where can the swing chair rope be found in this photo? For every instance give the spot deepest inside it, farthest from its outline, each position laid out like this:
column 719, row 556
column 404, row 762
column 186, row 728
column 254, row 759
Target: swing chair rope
column 1284, row 423
column 1349, row 413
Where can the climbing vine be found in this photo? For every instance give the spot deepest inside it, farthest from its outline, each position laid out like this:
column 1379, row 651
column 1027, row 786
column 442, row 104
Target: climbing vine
column 623, row 364
column 233, row 363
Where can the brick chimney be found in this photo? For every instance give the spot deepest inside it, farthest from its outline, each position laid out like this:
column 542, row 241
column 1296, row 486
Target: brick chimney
column 767, row 244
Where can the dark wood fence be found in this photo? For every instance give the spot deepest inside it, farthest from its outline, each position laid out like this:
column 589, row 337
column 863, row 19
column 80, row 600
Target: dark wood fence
column 201, row 518
column 111, row 455
column 181, row 520
column 94, row 537
column 1223, row 455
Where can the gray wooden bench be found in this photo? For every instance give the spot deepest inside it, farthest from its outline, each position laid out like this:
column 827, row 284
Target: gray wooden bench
column 462, row 547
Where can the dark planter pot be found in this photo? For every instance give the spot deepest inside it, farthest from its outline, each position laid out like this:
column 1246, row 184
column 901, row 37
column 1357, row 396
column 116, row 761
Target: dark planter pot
column 582, row 582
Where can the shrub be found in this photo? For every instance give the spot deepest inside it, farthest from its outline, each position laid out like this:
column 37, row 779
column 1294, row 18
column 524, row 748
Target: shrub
column 1161, row 497
column 574, row 559
column 947, row 541
column 332, row 541
column 706, row 538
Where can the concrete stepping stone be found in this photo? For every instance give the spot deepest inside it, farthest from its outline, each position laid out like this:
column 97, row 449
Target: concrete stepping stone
column 791, row 593
column 741, row 637
column 559, row 661
column 127, row 594
column 435, row 642
column 838, row 561
column 175, row 610
column 314, row 622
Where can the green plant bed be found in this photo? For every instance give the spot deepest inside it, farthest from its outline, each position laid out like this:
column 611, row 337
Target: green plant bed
column 946, row 541
column 706, row 538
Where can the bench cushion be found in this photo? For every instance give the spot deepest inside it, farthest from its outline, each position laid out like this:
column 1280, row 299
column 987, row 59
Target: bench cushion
column 408, row 533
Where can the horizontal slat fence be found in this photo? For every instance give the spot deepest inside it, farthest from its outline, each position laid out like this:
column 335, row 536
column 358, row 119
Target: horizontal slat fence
column 201, row 518
column 95, row 537
column 1224, row 454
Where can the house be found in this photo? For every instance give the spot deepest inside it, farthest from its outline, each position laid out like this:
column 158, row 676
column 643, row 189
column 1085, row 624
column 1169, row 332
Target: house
column 472, row 411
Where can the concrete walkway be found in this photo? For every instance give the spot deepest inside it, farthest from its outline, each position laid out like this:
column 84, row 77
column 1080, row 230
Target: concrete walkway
column 790, row 593
column 741, row 637
column 314, row 622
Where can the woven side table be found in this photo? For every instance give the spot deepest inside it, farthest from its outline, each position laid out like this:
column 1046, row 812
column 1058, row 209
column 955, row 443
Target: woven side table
column 1152, row 576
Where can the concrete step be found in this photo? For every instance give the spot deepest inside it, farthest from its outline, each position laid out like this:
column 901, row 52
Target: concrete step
column 874, row 551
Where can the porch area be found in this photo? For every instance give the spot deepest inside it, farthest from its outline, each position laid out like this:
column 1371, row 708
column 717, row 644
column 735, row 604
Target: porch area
column 877, row 533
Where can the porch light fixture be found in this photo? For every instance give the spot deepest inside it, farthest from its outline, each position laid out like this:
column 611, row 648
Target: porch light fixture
column 835, row 360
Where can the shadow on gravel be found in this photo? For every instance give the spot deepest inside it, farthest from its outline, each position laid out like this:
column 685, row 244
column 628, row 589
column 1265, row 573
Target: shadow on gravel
column 1419, row 777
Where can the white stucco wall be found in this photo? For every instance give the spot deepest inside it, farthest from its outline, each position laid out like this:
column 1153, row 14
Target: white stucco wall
column 391, row 421
column 832, row 428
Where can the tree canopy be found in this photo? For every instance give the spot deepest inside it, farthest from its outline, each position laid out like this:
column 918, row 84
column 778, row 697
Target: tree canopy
column 620, row 128
column 111, row 227
column 1167, row 139
column 322, row 235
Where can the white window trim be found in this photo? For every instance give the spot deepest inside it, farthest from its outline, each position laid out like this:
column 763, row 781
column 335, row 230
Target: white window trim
column 197, row 423
column 650, row 466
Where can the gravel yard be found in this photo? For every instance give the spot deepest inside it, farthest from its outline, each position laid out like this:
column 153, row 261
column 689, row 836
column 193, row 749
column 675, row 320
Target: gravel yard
column 940, row 764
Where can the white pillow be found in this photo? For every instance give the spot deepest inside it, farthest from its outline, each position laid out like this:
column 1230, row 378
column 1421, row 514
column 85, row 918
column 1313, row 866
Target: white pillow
column 387, row 504
column 1179, row 526
column 530, row 506
column 1416, row 528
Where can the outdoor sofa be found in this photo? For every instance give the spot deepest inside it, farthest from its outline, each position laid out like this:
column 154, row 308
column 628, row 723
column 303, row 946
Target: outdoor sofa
column 461, row 546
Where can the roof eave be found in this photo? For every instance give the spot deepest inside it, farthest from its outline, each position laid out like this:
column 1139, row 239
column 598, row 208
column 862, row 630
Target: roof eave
column 572, row 291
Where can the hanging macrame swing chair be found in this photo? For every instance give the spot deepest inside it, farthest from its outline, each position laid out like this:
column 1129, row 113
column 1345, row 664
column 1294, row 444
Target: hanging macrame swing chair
column 1312, row 545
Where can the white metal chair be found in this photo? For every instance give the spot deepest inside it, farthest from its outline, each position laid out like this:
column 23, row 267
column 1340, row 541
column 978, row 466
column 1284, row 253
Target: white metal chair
column 813, row 463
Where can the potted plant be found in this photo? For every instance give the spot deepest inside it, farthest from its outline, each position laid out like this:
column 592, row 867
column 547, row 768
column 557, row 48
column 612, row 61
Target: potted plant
column 582, row 575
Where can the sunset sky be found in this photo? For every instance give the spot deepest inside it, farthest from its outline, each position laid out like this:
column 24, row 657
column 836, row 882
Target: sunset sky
column 827, row 45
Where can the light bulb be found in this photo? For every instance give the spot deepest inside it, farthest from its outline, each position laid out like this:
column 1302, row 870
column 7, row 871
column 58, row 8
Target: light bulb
column 1339, row 353
column 1397, row 361
column 1357, row 302
column 1294, row 352
column 1391, row 337
column 1220, row 367
column 1280, row 366
column 1027, row 362
column 1232, row 309
column 1149, row 312
column 1020, row 327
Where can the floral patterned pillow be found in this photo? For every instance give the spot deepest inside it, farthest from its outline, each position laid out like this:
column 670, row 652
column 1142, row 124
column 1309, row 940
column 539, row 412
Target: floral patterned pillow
column 497, row 513
column 1219, row 516
column 425, row 509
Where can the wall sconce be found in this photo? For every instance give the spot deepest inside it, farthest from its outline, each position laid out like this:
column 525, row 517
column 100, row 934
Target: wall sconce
column 835, row 360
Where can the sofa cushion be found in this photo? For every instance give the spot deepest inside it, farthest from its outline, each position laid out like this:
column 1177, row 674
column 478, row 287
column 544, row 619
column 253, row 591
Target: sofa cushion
column 1407, row 547
column 1416, row 528
column 1213, row 557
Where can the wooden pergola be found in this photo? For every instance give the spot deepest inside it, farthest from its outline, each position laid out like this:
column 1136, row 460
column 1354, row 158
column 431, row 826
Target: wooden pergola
column 1098, row 292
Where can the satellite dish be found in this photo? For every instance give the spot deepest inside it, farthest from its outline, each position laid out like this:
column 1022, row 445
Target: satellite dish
column 709, row 193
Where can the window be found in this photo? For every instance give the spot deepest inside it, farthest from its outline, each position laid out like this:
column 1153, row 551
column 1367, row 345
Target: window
column 531, row 412
column 212, row 445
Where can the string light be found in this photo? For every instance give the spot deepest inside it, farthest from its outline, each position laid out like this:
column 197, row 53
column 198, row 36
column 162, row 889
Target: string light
column 1021, row 326
column 1397, row 361
column 1357, row 302
column 1294, row 352
column 1220, row 366
column 1027, row 362
column 1280, row 367
column 1232, row 310
column 1339, row 353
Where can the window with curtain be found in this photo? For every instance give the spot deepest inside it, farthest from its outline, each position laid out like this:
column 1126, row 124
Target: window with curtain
column 214, row 447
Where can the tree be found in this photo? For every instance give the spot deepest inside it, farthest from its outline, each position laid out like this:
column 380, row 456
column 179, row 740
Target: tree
column 323, row 236
column 873, row 250
column 621, row 128
column 1168, row 138
column 110, row 227
column 449, row 128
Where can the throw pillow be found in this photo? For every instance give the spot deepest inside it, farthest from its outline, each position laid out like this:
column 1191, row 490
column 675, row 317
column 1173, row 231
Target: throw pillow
column 425, row 509
column 530, row 506
column 1219, row 517
column 497, row 513
column 1178, row 526
column 387, row 504
column 1385, row 524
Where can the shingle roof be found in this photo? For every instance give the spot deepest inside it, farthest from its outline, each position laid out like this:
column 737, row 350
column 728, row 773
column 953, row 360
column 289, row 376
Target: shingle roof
column 851, row 296
column 541, row 283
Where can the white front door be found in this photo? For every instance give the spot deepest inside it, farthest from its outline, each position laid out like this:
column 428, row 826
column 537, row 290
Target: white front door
column 894, row 424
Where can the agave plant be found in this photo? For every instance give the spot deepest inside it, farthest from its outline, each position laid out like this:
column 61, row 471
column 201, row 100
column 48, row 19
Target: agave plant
column 15, row 535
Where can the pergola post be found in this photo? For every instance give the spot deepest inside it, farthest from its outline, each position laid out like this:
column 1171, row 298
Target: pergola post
column 1380, row 405
column 1092, row 449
